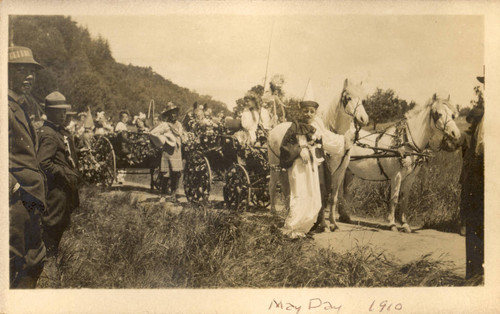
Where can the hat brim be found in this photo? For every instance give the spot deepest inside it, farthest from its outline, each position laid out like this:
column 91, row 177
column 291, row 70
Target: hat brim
column 71, row 113
column 35, row 64
column 61, row 106
column 308, row 103
column 169, row 111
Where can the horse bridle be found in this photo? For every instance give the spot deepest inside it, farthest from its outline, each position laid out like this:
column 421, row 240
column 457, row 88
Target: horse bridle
column 434, row 115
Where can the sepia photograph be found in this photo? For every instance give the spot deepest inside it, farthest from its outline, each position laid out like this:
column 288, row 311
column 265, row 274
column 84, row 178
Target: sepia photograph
column 254, row 151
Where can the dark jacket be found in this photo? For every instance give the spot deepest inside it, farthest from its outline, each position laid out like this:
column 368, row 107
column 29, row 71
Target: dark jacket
column 23, row 144
column 58, row 160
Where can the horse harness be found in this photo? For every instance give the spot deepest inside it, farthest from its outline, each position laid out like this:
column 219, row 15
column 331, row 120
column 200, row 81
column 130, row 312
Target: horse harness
column 402, row 137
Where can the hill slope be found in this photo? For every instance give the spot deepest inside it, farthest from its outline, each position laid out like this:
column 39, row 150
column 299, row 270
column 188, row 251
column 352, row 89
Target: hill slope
column 84, row 70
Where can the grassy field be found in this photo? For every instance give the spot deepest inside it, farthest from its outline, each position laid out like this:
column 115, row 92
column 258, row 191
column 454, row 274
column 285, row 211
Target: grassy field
column 117, row 240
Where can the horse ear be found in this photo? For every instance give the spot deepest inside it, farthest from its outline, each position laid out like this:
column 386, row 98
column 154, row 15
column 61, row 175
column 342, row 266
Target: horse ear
column 346, row 82
column 434, row 97
column 448, row 97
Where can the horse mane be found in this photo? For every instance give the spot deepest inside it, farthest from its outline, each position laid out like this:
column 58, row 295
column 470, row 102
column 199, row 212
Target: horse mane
column 331, row 114
column 419, row 108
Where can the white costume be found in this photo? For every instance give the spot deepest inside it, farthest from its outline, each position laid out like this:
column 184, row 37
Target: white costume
column 120, row 126
column 265, row 118
column 249, row 123
column 305, row 196
column 305, row 193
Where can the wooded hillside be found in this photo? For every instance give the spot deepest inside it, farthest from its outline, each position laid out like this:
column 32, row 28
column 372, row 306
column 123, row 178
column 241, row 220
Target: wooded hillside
column 84, row 70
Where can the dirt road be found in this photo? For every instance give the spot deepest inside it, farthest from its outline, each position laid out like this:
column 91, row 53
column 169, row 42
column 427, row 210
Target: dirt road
column 398, row 246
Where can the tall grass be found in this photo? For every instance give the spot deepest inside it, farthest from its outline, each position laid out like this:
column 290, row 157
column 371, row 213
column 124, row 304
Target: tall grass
column 117, row 242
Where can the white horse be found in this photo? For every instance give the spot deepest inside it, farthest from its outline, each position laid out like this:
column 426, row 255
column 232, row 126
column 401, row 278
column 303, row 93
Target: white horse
column 421, row 126
column 339, row 119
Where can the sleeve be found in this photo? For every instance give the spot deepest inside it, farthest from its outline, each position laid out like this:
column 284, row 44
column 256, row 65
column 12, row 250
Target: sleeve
column 160, row 129
column 120, row 126
column 333, row 143
column 46, row 153
column 12, row 182
column 247, row 121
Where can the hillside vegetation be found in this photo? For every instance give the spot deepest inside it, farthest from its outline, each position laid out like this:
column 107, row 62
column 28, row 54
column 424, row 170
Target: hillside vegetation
column 84, row 70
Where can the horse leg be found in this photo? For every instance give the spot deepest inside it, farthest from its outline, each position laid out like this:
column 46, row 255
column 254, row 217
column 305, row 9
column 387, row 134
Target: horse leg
column 273, row 180
column 336, row 183
column 393, row 200
column 285, row 189
column 404, row 194
column 346, row 196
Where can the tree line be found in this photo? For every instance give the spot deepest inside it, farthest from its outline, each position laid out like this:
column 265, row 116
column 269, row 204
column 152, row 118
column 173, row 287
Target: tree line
column 84, row 70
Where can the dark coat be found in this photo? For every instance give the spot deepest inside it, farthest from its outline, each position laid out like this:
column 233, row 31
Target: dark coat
column 58, row 160
column 23, row 144
column 289, row 149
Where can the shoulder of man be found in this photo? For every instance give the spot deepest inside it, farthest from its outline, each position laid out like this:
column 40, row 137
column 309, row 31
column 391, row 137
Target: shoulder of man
column 46, row 130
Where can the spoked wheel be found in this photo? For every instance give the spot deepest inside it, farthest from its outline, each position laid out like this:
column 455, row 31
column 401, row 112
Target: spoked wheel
column 237, row 188
column 156, row 179
column 105, row 156
column 197, row 178
column 259, row 195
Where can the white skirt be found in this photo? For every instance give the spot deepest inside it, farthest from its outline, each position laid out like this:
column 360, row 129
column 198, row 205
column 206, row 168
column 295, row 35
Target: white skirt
column 305, row 198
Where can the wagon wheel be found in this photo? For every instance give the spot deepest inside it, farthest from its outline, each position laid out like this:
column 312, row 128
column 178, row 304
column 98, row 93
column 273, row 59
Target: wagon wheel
column 259, row 195
column 237, row 188
column 105, row 157
column 156, row 183
column 197, row 178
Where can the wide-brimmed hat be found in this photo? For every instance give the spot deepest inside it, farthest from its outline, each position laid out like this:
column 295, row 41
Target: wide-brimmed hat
column 277, row 80
column 171, row 107
column 22, row 55
column 56, row 100
column 308, row 100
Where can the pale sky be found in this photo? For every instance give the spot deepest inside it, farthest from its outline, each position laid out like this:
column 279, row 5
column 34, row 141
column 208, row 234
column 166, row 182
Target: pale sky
column 224, row 55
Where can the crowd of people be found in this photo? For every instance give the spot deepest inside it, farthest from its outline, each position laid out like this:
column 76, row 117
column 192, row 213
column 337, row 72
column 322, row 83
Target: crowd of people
column 43, row 163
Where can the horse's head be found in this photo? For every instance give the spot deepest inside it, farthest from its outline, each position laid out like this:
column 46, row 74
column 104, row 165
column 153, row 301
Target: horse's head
column 442, row 116
column 352, row 100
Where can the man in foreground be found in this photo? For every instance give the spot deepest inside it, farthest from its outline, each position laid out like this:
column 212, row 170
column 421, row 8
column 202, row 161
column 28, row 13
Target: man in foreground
column 27, row 187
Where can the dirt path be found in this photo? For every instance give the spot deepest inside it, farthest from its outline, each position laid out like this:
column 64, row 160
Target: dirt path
column 398, row 246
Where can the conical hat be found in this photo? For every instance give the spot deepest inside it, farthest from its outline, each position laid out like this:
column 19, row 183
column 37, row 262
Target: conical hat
column 308, row 99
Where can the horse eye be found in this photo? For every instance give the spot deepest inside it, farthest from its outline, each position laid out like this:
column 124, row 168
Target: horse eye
column 453, row 116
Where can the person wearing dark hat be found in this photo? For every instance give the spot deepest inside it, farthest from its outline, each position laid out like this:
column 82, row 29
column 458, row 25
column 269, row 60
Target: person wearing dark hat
column 298, row 156
column 301, row 153
column 472, row 193
column 172, row 132
column 27, row 182
column 58, row 159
